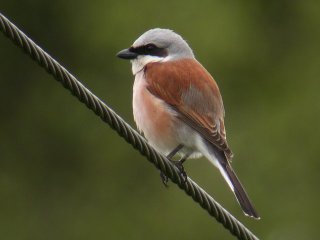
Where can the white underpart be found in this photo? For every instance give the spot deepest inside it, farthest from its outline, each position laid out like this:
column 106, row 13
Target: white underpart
column 141, row 61
column 201, row 146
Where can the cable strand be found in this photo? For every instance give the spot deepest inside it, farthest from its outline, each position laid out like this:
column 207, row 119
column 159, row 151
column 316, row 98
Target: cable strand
column 124, row 130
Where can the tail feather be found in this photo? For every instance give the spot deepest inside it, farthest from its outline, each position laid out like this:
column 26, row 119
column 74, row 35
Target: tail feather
column 240, row 193
column 231, row 178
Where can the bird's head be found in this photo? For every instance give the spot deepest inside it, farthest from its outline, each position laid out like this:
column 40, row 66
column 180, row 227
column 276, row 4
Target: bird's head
column 156, row 45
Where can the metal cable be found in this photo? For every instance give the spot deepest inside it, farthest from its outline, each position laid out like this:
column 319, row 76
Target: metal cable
column 124, row 130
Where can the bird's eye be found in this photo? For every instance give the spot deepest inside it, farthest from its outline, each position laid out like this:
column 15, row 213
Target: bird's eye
column 150, row 47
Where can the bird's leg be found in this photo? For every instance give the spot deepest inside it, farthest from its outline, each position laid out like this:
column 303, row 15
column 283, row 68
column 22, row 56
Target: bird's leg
column 170, row 156
column 179, row 165
column 174, row 151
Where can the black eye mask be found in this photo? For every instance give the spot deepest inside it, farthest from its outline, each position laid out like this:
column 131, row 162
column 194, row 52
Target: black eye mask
column 149, row 49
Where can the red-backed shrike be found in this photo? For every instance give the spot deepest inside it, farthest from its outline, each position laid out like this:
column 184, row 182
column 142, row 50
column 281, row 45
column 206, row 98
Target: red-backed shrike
column 177, row 105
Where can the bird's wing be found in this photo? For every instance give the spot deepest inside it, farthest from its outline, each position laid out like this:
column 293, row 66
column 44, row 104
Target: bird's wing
column 191, row 91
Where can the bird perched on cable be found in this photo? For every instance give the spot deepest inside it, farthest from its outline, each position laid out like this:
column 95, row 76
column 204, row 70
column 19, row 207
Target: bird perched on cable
column 177, row 105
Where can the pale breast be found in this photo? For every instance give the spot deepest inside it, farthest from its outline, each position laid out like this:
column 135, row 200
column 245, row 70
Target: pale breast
column 153, row 117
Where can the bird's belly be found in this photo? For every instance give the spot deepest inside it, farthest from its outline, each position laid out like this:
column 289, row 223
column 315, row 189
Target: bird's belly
column 159, row 123
column 154, row 118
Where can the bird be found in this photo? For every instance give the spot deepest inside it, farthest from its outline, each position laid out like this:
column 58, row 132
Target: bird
column 178, row 107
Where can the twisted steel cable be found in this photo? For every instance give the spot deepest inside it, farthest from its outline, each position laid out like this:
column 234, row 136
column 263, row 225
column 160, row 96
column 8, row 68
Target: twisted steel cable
column 124, row 130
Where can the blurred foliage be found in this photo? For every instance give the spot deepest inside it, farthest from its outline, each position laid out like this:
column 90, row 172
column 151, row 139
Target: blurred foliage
column 64, row 174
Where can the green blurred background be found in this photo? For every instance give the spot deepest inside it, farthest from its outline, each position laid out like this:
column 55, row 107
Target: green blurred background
column 64, row 174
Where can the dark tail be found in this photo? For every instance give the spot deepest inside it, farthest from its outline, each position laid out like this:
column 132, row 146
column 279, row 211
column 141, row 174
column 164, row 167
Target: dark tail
column 240, row 193
column 233, row 181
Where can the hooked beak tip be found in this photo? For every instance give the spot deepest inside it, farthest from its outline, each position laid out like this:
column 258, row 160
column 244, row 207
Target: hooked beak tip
column 127, row 54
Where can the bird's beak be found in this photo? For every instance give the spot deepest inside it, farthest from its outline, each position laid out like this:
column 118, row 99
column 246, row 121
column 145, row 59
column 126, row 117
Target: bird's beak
column 127, row 54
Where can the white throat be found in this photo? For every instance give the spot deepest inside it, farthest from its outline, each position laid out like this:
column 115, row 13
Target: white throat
column 141, row 61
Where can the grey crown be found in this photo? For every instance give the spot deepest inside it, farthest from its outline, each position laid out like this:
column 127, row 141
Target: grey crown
column 167, row 39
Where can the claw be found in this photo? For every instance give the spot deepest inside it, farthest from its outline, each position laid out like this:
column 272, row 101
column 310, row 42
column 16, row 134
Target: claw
column 178, row 164
column 164, row 179
column 183, row 173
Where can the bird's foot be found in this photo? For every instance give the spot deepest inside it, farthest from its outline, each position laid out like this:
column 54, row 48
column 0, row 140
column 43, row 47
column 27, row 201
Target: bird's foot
column 164, row 179
column 183, row 173
column 179, row 165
